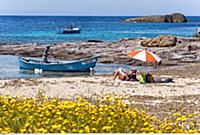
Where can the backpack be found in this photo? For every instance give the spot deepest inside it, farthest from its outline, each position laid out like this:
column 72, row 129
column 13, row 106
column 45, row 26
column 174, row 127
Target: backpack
column 149, row 78
column 142, row 78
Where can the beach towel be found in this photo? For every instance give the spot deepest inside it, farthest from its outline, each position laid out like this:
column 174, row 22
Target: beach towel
column 163, row 80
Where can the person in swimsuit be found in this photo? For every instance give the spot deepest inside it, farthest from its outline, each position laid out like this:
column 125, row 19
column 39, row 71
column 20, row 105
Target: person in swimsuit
column 125, row 76
column 121, row 74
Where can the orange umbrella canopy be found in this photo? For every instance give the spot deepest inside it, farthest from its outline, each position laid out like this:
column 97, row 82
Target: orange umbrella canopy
column 144, row 55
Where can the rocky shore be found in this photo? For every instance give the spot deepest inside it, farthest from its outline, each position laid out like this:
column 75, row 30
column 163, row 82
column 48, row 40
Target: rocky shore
column 173, row 50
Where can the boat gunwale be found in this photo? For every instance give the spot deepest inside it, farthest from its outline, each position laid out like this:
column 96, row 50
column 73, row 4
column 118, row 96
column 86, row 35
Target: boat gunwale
column 23, row 59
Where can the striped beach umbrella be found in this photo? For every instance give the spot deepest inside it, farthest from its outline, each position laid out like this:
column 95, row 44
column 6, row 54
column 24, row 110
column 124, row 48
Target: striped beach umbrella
column 145, row 56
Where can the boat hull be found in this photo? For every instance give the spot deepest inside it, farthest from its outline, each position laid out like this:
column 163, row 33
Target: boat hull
column 82, row 65
column 71, row 32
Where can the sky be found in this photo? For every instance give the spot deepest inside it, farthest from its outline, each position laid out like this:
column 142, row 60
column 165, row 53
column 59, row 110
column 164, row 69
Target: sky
column 99, row 7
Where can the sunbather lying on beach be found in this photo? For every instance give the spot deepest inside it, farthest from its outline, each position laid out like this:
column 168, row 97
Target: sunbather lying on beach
column 126, row 76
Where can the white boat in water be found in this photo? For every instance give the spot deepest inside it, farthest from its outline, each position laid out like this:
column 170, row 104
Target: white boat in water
column 70, row 30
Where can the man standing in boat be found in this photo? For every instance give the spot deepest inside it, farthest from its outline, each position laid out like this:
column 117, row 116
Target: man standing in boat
column 45, row 54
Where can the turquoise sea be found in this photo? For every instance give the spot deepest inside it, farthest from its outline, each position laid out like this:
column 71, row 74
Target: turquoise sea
column 43, row 29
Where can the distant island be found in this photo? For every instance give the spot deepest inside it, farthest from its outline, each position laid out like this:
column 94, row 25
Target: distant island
column 172, row 18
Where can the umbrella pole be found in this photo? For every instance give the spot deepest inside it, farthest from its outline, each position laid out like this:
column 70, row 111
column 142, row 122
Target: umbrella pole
column 143, row 66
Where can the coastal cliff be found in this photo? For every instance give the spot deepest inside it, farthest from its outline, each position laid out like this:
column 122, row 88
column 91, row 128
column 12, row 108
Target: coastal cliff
column 173, row 18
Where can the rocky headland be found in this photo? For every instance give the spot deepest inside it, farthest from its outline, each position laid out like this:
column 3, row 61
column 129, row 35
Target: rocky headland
column 172, row 18
column 173, row 50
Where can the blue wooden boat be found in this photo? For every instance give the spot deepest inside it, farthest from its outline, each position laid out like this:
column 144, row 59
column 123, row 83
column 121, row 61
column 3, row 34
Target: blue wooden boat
column 82, row 65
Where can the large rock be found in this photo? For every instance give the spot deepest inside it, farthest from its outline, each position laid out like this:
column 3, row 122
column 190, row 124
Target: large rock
column 161, row 41
column 173, row 18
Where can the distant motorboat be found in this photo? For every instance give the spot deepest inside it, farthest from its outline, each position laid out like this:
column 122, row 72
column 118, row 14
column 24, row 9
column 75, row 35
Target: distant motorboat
column 70, row 30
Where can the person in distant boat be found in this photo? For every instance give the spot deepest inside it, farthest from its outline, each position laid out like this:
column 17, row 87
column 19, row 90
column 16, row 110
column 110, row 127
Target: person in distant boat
column 71, row 27
column 45, row 54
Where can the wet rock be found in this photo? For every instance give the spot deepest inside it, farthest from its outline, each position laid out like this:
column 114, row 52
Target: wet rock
column 95, row 41
column 127, row 39
column 188, row 60
column 175, row 56
column 166, row 62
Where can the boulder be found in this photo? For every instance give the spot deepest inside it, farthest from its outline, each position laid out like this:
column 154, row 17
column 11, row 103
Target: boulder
column 173, row 18
column 161, row 41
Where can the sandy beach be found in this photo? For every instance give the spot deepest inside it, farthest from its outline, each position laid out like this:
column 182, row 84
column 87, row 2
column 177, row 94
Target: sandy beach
column 86, row 86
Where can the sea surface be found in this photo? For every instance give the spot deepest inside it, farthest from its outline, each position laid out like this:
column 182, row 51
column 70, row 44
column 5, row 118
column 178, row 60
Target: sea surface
column 44, row 29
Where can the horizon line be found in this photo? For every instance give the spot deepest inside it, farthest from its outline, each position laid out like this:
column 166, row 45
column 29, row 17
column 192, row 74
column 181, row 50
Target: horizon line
column 73, row 15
